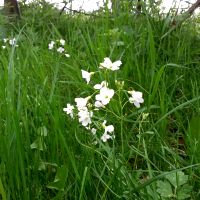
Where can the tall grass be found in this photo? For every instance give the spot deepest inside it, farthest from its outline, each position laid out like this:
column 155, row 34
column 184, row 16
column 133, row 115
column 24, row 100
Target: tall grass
column 46, row 155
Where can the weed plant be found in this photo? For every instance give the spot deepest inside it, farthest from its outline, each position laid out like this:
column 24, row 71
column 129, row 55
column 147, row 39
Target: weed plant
column 44, row 154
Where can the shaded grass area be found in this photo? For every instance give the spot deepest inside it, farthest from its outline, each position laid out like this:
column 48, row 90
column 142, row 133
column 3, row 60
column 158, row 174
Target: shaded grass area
column 36, row 83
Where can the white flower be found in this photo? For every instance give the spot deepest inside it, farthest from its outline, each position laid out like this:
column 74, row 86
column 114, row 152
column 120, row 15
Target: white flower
column 3, row 47
column 109, row 65
column 85, row 117
column 99, row 86
column 105, row 137
column 62, row 42
column 108, row 129
column 86, row 75
column 67, row 55
column 105, row 95
column 69, row 110
column 93, row 130
column 136, row 98
column 81, row 102
column 12, row 41
column 5, row 40
column 60, row 49
column 51, row 44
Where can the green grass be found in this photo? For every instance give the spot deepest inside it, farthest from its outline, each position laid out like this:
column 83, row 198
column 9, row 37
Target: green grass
column 36, row 84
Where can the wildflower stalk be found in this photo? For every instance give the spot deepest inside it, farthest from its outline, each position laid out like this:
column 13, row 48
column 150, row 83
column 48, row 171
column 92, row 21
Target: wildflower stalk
column 121, row 121
column 85, row 106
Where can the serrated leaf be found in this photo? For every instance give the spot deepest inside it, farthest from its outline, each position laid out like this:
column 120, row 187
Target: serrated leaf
column 60, row 179
column 177, row 179
column 164, row 189
column 183, row 192
column 38, row 144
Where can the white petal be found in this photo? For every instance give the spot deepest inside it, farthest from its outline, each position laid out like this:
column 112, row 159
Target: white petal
column 117, row 63
column 105, row 101
column 81, row 102
column 141, row 100
column 136, row 94
column 106, row 64
column 98, row 97
column 136, row 104
column 62, row 42
column 109, row 128
column 97, row 86
column 105, row 137
column 67, row 55
column 85, row 74
column 65, row 109
column 131, row 99
column 98, row 104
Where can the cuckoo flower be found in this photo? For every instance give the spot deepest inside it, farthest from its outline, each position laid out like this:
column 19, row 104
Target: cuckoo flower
column 85, row 116
column 109, row 65
column 104, row 95
column 86, row 75
column 12, row 41
column 60, row 49
column 136, row 98
column 62, row 42
column 51, row 45
column 69, row 110
column 101, row 85
column 81, row 102
column 107, row 129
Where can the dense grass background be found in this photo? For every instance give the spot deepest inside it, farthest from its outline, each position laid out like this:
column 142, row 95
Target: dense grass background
column 36, row 83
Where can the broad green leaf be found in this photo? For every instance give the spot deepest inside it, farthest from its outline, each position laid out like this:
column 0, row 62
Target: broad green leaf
column 177, row 179
column 183, row 192
column 164, row 189
column 60, row 179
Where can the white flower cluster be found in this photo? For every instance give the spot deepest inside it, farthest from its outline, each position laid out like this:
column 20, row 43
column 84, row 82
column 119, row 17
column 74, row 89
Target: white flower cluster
column 10, row 42
column 103, row 94
column 59, row 46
